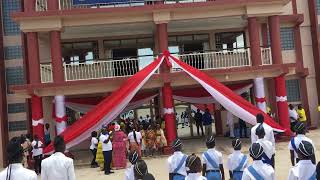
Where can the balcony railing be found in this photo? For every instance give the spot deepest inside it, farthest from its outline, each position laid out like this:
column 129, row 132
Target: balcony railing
column 41, row 5
column 126, row 67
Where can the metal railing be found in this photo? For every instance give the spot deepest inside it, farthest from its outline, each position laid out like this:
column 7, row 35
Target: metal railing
column 41, row 5
column 266, row 56
column 46, row 73
column 217, row 60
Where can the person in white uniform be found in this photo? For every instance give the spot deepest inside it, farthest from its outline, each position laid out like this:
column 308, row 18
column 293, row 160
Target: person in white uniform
column 141, row 171
column 268, row 130
column 258, row 170
column 237, row 161
column 304, row 169
column 177, row 162
column 58, row 166
column 269, row 150
column 93, row 149
column 294, row 143
column 293, row 116
column 15, row 169
column 193, row 164
column 212, row 161
column 230, row 124
column 105, row 139
column 133, row 158
column 37, row 153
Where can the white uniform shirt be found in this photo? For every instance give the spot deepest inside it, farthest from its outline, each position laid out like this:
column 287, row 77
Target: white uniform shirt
column 195, row 176
column 303, row 170
column 266, row 171
column 297, row 141
column 129, row 174
column 105, row 146
column 94, row 142
column 268, row 131
column 293, row 115
column 57, row 166
column 215, row 155
column 174, row 161
column 38, row 151
column 131, row 137
column 18, row 172
column 235, row 159
column 268, row 149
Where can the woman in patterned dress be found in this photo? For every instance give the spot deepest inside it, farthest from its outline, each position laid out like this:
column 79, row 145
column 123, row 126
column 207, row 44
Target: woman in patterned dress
column 151, row 140
column 119, row 148
column 160, row 140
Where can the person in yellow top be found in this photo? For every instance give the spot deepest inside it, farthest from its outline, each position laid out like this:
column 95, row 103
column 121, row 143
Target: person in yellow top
column 319, row 108
column 302, row 114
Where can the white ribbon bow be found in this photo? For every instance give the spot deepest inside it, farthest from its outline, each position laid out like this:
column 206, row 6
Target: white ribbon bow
column 37, row 122
column 168, row 110
column 281, row 98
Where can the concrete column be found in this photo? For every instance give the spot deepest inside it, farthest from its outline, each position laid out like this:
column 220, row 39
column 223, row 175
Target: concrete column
column 60, row 113
column 53, row 4
column 33, row 57
column 37, row 117
column 275, row 41
column 56, row 55
column 254, row 36
column 29, row 5
column 260, row 96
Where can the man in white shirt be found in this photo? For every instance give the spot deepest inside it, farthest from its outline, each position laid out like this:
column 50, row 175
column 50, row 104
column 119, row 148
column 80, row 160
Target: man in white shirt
column 58, row 166
column 15, row 170
column 293, row 116
column 304, row 169
column 294, row 143
column 177, row 162
column 230, row 123
column 258, row 170
column 93, row 148
column 268, row 131
column 268, row 149
column 37, row 153
column 105, row 139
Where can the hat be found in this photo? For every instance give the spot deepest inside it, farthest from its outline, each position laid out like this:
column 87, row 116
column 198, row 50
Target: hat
column 256, row 150
column 117, row 127
column 134, row 157
column 236, row 143
column 210, row 140
column 299, row 127
column 176, row 143
column 306, row 148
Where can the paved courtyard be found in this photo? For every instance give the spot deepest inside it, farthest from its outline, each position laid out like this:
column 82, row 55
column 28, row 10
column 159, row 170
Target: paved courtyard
column 157, row 166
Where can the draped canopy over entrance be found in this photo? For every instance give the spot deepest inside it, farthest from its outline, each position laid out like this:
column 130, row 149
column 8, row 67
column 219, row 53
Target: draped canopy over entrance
column 109, row 108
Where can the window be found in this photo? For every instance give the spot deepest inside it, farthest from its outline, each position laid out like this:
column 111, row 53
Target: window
column 318, row 6
column 12, row 52
column 14, row 75
column 16, row 108
column 293, row 90
column 17, row 125
column 287, row 38
column 9, row 26
column 230, row 40
column 80, row 52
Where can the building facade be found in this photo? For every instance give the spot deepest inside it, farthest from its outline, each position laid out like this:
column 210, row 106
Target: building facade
column 58, row 49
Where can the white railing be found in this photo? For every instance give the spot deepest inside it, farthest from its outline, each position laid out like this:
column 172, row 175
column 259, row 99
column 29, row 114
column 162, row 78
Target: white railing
column 217, row 60
column 41, row 5
column 266, row 56
column 101, row 69
column 46, row 73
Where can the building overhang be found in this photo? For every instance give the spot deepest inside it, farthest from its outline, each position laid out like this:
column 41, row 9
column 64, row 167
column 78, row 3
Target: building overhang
column 177, row 79
column 159, row 13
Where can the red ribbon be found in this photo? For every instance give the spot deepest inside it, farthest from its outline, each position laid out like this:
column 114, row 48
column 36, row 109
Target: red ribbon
column 260, row 100
column 62, row 119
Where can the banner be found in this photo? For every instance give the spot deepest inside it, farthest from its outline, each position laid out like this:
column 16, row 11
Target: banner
column 94, row 2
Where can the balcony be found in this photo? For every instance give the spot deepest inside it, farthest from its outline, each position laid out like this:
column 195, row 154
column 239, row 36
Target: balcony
column 99, row 69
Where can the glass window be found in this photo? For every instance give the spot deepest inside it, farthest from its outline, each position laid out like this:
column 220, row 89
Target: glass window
column 293, row 90
column 145, row 56
column 287, row 38
column 17, row 125
column 318, row 6
column 12, row 52
column 81, row 52
column 230, row 40
column 14, row 75
column 16, row 108
column 9, row 26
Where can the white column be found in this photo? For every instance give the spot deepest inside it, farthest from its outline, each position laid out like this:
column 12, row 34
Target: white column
column 260, row 94
column 61, row 118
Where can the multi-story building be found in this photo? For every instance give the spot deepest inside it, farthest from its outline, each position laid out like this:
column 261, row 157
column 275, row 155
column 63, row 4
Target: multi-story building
column 77, row 50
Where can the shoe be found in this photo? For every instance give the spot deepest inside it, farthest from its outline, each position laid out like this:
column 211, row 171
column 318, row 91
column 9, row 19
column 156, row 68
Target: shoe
column 108, row 173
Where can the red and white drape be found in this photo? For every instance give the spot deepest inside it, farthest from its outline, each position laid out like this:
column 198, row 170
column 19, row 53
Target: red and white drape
column 37, row 117
column 108, row 109
column 229, row 100
column 60, row 114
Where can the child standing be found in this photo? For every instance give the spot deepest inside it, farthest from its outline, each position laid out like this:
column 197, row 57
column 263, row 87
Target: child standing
column 268, row 148
column 193, row 163
column 237, row 161
column 133, row 158
column 258, row 170
column 176, row 162
column 212, row 161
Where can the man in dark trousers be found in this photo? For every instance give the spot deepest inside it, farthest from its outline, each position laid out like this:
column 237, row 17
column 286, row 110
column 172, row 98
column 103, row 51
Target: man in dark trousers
column 105, row 138
column 198, row 118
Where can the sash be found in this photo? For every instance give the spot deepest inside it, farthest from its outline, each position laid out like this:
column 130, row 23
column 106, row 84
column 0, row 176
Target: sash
column 211, row 161
column 240, row 166
column 266, row 159
column 314, row 176
column 293, row 145
column 183, row 159
column 254, row 173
